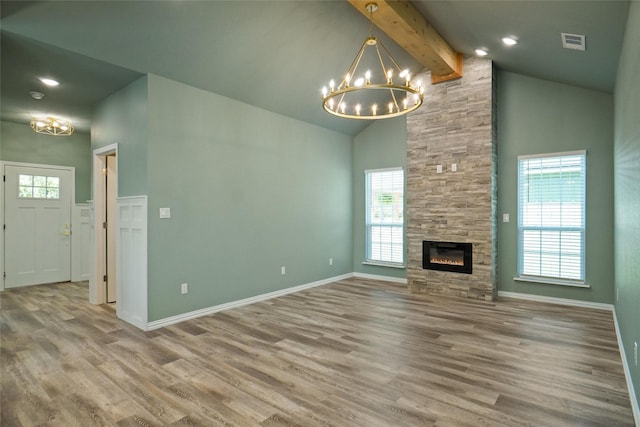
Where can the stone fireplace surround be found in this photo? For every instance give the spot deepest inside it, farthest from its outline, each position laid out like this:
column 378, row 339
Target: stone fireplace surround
column 455, row 125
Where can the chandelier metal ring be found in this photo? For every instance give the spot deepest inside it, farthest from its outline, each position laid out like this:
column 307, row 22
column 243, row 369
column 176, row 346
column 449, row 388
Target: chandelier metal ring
column 393, row 109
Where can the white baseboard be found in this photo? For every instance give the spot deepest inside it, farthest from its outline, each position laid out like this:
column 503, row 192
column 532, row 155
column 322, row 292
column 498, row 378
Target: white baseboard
column 239, row 303
column 377, row 277
column 554, row 300
column 627, row 372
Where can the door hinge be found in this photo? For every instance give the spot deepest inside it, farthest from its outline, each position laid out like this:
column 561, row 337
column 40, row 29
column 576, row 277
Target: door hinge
column 104, row 225
column 4, row 178
column 4, row 275
column 104, row 278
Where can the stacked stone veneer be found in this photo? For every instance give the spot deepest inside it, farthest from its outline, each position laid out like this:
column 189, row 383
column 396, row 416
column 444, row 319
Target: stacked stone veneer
column 455, row 125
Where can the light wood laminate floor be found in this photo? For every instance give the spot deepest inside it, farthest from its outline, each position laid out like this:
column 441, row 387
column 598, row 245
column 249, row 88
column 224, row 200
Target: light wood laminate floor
column 353, row 353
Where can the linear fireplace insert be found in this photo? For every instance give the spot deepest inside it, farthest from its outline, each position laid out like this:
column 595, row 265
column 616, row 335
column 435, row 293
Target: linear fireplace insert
column 447, row 256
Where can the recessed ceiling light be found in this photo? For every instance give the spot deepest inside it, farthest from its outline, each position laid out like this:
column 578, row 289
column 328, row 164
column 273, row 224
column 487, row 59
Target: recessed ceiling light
column 509, row 41
column 36, row 95
column 481, row 52
column 49, row 82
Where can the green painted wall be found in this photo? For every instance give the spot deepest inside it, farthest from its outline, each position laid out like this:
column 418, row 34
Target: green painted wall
column 21, row 144
column 122, row 119
column 627, row 192
column 249, row 191
column 538, row 116
column 383, row 144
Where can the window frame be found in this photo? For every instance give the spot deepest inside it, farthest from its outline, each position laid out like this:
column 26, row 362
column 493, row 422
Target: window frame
column 369, row 224
column 521, row 228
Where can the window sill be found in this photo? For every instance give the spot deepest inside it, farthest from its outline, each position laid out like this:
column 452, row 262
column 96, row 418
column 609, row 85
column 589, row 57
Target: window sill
column 552, row 281
column 383, row 264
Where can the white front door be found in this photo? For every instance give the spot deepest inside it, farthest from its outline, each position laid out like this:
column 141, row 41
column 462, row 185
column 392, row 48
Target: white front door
column 37, row 225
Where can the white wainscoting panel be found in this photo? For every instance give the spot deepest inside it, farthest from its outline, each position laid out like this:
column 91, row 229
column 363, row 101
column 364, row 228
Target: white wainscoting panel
column 131, row 263
column 81, row 242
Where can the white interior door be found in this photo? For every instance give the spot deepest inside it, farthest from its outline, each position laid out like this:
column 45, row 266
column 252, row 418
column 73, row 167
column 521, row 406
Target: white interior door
column 37, row 225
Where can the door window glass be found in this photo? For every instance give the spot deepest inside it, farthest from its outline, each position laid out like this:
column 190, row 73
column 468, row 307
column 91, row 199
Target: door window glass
column 38, row 187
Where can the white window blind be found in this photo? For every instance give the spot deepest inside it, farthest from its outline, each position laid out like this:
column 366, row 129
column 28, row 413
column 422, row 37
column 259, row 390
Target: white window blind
column 551, row 216
column 385, row 215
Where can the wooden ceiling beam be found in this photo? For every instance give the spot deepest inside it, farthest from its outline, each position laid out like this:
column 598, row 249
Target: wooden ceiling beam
column 405, row 25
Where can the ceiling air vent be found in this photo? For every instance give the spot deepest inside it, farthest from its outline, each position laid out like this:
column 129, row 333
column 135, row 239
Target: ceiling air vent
column 573, row 41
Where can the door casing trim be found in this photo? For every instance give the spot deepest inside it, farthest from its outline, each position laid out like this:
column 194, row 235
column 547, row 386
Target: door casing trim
column 96, row 284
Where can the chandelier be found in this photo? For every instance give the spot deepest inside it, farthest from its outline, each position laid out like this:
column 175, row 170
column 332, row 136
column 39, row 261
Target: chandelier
column 373, row 94
column 51, row 126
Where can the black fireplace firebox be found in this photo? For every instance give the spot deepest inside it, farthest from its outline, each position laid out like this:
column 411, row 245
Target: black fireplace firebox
column 447, row 256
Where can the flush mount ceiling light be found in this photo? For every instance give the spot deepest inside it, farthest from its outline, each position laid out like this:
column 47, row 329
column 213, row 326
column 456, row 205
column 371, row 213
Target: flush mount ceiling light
column 51, row 126
column 509, row 41
column 49, row 82
column 481, row 52
column 36, row 95
column 372, row 94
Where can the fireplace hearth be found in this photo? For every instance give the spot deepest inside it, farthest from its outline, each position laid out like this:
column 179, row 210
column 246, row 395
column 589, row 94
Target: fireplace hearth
column 447, row 256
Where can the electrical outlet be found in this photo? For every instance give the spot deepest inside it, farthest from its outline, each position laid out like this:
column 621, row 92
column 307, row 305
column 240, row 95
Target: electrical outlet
column 635, row 352
column 283, row 270
column 454, row 167
column 505, row 217
column 330, row 261
column 438, row 168
column 184, row 288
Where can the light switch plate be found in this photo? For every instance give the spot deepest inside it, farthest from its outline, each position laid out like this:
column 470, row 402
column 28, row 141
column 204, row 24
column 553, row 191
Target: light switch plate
column 505, row 217
column 438, row 168
column 165, row 212
column 454, row 167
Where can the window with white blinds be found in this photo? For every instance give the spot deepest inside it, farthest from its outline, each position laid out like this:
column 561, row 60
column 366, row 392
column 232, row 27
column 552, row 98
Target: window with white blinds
column 551, row 216
column 385, row 215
